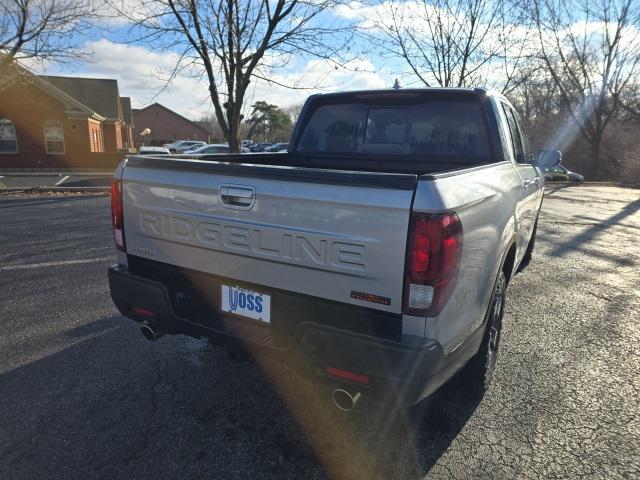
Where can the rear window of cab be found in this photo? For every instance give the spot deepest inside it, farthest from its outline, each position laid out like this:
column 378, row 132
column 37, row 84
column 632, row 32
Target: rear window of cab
column 438, row 128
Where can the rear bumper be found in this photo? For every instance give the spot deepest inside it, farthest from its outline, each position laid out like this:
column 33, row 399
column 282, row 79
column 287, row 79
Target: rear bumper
column 408, row 369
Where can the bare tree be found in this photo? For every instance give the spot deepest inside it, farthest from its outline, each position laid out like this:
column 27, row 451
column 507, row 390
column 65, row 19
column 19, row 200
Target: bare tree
column 232, row 42
column 450, row 43
column 293, row 111
column 631, row 104
column 591, row 51
column 42, row 29
column 211, row 124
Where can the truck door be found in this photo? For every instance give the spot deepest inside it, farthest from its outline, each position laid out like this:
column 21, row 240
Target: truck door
column 530, row 186
column 531, row 177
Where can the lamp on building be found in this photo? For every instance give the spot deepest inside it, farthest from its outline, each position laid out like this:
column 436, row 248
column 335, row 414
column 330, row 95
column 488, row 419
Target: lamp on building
column 145, row 134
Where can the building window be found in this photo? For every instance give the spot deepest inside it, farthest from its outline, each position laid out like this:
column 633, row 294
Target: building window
column 54, row 137
column 8, row 140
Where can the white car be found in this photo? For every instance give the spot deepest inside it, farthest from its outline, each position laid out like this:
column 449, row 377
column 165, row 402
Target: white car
column 213, row 148
column 172, row 145
column 181, row 146
column 147, row 150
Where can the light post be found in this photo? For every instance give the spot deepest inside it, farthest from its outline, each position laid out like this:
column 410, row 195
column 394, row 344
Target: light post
column 145, row 134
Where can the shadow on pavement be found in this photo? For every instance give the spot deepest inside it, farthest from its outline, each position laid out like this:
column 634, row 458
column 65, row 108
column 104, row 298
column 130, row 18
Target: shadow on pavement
column 551, row 188
column 587, row 236
column 95, row 328
column 424, row 434
column 115, row 406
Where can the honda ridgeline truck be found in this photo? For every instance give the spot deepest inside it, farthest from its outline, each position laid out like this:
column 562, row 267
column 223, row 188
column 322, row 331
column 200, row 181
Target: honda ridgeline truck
column 372, row 256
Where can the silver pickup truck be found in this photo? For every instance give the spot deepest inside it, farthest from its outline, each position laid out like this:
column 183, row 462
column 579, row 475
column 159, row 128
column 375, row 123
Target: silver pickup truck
column 372, row 256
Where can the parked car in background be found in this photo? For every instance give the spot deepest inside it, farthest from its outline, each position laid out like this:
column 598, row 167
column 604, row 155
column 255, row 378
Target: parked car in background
column 181, row 146
column 277, row 147
column 259, row 147
column 172, row 146
column 560, row 173
column 194, row 147
column 189, row 145
column 147, row 150
column 213, row 148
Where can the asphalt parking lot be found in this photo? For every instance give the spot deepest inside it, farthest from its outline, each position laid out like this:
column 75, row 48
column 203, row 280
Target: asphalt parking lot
column 83, row 395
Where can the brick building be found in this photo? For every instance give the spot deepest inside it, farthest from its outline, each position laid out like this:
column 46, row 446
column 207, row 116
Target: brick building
column 62, row 122
column 165, row 125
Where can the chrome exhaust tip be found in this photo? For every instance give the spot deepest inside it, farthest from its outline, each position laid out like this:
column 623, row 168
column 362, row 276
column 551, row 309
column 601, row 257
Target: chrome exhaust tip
column 149, row 333
column 344, row 400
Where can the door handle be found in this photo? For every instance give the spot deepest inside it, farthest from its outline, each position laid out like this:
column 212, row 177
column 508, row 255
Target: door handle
column 236, row 196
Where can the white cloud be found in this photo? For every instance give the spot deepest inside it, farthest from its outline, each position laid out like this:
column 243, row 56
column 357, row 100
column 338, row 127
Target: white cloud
column 142, row 74
column 499, row 41
column 319, row 76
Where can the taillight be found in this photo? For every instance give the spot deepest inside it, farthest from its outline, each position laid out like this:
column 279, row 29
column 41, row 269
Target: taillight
column 433, row 260
column 143, row 312
column 347, row 375
column 117, row 220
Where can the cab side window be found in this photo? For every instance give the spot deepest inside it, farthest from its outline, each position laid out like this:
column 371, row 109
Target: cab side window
column 523, row 137
column 516, row 140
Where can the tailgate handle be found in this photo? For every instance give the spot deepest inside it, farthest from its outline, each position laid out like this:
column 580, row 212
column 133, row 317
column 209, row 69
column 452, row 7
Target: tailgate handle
column 236, row 196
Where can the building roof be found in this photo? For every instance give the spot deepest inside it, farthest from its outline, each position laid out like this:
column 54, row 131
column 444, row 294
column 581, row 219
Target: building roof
column 15, row 72
column 125, row 102
column 100, row 95
column 195, row 124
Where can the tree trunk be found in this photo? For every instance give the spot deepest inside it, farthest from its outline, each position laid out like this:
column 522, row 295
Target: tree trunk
column 595, row 158
column 234, row 134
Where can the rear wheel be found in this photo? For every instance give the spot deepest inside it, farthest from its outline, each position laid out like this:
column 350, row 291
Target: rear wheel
column 477, row 374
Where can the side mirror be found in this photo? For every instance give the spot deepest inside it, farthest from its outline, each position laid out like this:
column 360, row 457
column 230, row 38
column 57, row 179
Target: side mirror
column 548, row 158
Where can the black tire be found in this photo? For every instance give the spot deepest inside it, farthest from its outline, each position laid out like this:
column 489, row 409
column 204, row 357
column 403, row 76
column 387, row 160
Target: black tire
column 528, row 255
column 476, row 376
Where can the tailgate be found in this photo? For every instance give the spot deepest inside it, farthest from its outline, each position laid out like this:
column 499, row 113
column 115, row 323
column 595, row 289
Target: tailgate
column 331, row 234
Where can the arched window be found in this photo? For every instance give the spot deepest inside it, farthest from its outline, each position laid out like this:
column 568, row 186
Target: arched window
column 53, row 137
column 8, row 140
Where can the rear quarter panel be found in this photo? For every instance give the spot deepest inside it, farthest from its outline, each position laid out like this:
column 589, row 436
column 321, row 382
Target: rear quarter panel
column 484, row 199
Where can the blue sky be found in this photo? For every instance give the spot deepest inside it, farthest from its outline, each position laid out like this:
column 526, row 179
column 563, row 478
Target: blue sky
column 142, row 69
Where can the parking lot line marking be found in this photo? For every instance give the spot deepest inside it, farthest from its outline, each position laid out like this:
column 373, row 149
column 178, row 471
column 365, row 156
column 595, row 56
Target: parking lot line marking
column 61, row 180
column 55, row 264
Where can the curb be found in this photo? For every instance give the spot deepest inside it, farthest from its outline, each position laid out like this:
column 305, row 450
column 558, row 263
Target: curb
column 56, row 173
column 55, row 189
column 592, row 184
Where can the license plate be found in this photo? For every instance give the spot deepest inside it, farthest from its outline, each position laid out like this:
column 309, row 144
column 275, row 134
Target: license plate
column 246, row 303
